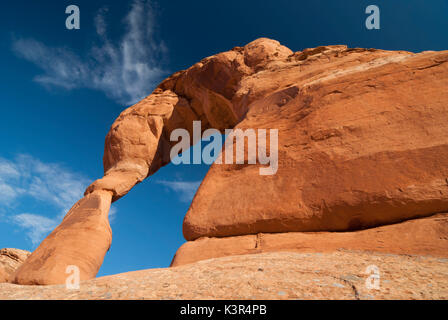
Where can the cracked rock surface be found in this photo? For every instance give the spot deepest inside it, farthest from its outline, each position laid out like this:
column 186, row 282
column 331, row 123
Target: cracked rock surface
column 280, row 275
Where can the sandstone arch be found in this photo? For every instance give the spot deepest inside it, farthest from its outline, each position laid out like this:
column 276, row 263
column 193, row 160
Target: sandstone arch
column 343, row 115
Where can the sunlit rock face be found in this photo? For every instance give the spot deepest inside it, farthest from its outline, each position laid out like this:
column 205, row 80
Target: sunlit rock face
column 362, row 143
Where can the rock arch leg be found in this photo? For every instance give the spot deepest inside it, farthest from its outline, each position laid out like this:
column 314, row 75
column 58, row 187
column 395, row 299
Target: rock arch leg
column 84, row 236
column 81, row 240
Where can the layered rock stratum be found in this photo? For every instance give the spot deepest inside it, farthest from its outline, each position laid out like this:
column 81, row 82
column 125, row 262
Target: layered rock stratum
column 362, row 146
column 10, row 261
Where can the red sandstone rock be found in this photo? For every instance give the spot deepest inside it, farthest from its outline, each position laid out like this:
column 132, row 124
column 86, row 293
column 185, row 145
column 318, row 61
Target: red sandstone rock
column 422, row 237
column 361, row 132
column 363, row 142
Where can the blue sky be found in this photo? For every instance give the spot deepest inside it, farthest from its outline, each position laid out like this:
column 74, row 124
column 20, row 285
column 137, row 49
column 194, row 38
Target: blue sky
column 61, row 90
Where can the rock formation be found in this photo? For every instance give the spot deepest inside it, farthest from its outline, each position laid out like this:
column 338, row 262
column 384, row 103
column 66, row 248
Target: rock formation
column 422, row 237
column 81, row 240
column 10, row 260
column 363, row 143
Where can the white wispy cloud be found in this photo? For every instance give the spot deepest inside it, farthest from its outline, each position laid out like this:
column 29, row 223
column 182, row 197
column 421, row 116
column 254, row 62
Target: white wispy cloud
column 185, row 189
column 112, row 213
column 126, row 71
column 37, row 226
column 8, row 170
column 7, row 193
column 48, row 183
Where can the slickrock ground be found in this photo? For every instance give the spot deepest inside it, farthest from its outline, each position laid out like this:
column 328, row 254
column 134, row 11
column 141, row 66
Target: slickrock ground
column 283, row 275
